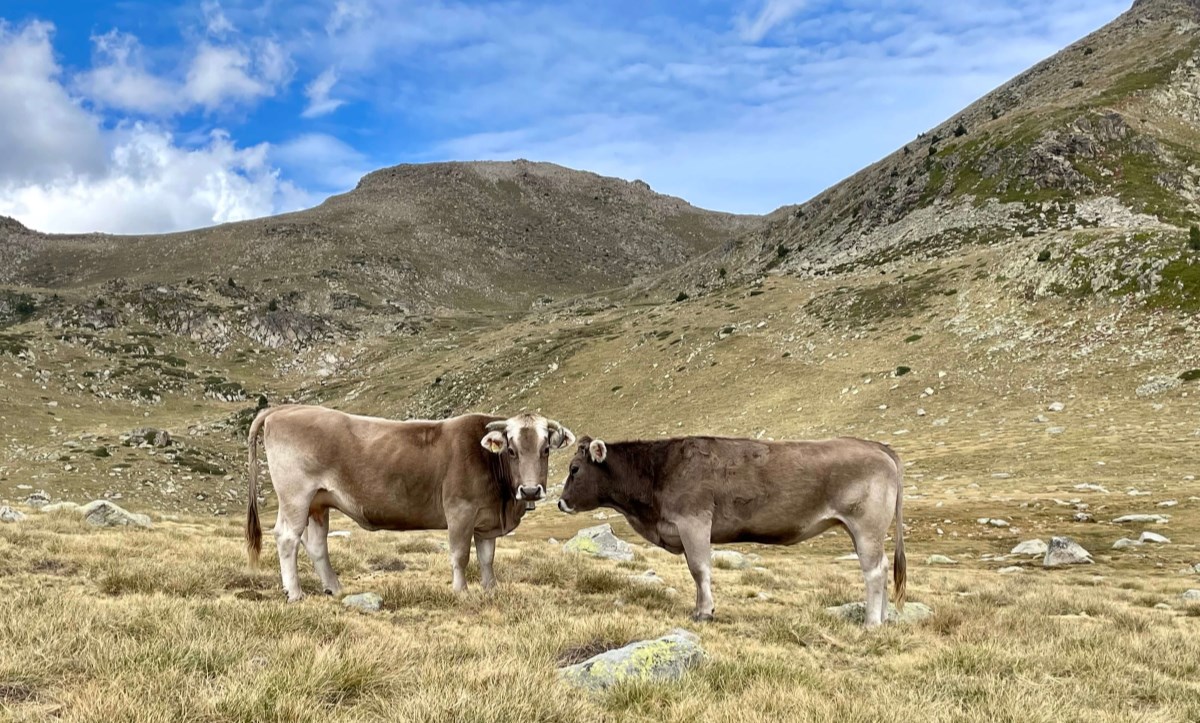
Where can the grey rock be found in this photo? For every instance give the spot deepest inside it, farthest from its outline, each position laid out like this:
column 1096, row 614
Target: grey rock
column 1157, row 519
column 1056, row 430
column 1091, row 488
column 1084, row 517
column 38, row 499
column 663, row 659
column 940, row 560
column 1041, row 419
column 367, row 602
column 1192, row 595
column 856, row 612
column 648, row 577
column 103, row 513
column 151, row 436
column 1148, row 536
column 1167, row 503
column 1056, row 406
column 599, row 541
column 992, row 521
column 59, row 507
column 730, row 560
column 1065, row 551
column 1158, row 385
column 1010, row 570
column 764, row 596
column 1033, row 548
column 8, row 514
column 1125, row 544
column 345, row 534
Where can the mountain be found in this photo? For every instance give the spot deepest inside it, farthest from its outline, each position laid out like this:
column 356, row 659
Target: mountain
column 456, row 235
column 1088, row 149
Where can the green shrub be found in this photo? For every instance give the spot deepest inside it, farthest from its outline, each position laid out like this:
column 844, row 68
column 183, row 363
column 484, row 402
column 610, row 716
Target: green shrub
column 1194, row 238
column 1044, row 256
column 682, row 297
column 902, row 370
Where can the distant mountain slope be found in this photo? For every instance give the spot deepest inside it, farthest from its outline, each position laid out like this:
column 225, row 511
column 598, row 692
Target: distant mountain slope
column 457, row 235
column 1103, row 136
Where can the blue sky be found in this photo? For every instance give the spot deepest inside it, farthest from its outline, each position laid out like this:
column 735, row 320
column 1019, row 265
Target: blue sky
column 139, row 116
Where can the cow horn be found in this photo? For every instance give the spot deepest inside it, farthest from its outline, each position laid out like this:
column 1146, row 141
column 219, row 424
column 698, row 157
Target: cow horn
column 497, row 425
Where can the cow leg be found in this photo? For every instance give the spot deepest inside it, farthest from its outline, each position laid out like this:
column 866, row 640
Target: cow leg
column 316, row 542
column 485, row 550
column 289, row 526
column 696, row 536
column 873, row 561
column 460, row 529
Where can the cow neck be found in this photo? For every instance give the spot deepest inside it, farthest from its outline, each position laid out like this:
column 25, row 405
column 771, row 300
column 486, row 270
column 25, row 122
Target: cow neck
column 632, row 490
column 501, row 469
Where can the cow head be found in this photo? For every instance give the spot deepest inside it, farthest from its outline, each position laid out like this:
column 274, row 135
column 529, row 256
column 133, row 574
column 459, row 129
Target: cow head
column 581, row 491
column 526, row 441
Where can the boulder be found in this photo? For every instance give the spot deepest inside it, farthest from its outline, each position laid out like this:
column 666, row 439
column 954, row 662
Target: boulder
column 38, row 499
column 8, row 514
column 59, row 507
column 1148, row 536
column 599, row 541
column 1033, row 548
column 1192, row 596
column 1065, row 551
column 663, row 659
column 856, row 612
column 940, row 560
column 367, row 602
column 103, row 513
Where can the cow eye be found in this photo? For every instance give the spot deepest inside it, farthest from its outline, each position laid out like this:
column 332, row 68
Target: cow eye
column 574, row 470
column 512, row 451
column 546, row 451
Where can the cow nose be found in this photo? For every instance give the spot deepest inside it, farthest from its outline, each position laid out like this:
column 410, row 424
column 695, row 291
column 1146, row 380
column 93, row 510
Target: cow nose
column 564, row 507
column 531, row 493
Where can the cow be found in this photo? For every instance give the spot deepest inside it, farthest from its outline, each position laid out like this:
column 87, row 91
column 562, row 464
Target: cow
column 473, row 475
column 686, row 493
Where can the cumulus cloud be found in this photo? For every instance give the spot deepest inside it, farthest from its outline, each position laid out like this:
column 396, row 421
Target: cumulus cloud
column 63, row 171
column 317, row 92
column 214, row 19
column 119, row 78
column 152, row 185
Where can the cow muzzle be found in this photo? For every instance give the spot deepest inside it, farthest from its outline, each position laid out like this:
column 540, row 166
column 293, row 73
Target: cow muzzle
column 564, row 507
column 531, row 494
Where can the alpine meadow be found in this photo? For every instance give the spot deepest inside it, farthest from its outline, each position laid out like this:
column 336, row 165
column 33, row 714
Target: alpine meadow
column 1009, row 303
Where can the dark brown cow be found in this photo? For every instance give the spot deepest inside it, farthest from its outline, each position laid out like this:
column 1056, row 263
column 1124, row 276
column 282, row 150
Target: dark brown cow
column 473, row 475
column 686, row 493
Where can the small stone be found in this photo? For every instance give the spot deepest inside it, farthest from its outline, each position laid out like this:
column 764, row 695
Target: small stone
column 1033, row 548
column 1167, row 503
column 851, row 556
column 1056, row 430
column 345, row 534
column 1157, row 519
column 1192, row 596
column 1125, row 543
column 1148, row 536
column 1065, row 551
column 1041, row 419
column 1162, row 606
column 920, row 412
column 38, row 499
column 8, row 514
column 367, row 602
column 648, row 577
column 764, row 596
column 1084, row 517
column 940, row 560
column 1010, row 570
column 665, row 659
column 992, row 521
column 1091, row 487
column 1056, row 406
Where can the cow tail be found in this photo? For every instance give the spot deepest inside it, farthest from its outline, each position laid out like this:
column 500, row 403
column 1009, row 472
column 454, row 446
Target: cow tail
column 899, row 563
column 253, row 528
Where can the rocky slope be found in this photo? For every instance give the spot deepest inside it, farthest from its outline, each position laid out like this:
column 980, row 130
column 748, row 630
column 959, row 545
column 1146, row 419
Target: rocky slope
column 1095, row 152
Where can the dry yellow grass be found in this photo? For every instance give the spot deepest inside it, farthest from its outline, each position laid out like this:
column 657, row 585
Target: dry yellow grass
column 167, row 624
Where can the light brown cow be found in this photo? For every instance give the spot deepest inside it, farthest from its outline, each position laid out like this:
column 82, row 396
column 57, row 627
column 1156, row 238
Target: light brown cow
column 686, row 493
column 473, row 475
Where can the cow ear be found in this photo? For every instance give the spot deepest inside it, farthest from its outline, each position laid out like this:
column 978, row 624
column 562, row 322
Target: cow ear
column 494, row 442
column 562, row 437
column 598, row 450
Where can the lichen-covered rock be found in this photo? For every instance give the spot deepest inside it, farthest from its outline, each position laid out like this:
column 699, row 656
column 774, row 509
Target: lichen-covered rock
column 367, row 602
column 8, row 514
column 1157, row 519
column 103, row 513
column 666, row 658
column 1065, row 551
column 599, row 541
column 59, row 507
column 856, row 612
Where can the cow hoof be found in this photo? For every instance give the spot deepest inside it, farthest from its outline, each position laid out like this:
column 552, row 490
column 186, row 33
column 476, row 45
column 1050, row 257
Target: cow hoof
column 702, row 617
column 294, row 598
column 329, row 592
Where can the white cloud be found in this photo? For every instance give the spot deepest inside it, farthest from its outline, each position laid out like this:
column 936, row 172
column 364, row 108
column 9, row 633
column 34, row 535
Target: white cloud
column 220, row 74
column 44, row 133
column 214, row 19
column 772, row 13
column 61, row 171
column 153, row 185
column 317, row 92
column 119, row 79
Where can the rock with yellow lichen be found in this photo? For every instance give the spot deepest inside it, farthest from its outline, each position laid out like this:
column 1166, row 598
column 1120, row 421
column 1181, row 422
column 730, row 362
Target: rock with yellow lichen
column 664, row 659
column 599, row 541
